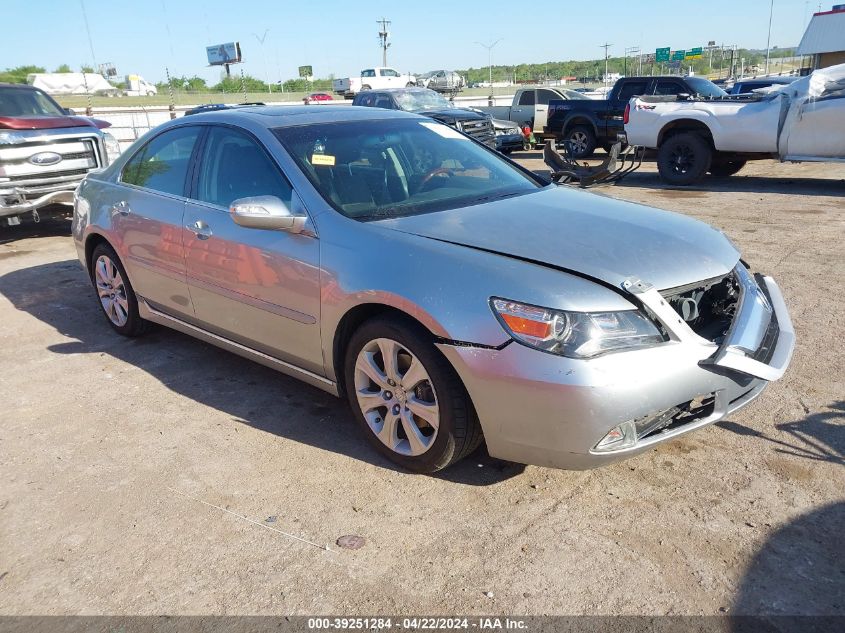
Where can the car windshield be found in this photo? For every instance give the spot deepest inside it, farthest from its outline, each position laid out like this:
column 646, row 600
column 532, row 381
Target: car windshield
column 421, row 100
column 377, row 169
column 26, row 102
column 705, row 87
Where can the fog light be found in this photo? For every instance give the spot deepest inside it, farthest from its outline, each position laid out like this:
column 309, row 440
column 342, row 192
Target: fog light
column 619, row 437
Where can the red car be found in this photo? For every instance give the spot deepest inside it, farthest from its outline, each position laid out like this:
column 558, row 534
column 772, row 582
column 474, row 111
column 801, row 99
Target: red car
column 320, row 96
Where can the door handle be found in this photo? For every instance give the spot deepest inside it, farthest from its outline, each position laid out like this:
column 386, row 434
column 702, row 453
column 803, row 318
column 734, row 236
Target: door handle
column 121, row 207
column 200, row 229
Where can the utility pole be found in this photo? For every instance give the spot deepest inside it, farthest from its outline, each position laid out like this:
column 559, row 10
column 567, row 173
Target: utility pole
column 769, row 38
column 264, row 57
column 489, row 48
column 88, row 31
column 606, row 47
column 383, row 34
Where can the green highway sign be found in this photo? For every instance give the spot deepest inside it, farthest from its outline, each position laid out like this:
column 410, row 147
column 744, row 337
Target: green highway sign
column 678, row 56
column 694, row 53
column 661, row 55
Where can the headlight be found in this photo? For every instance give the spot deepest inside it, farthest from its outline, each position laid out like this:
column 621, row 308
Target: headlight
column 576, row 334
column 112, row 147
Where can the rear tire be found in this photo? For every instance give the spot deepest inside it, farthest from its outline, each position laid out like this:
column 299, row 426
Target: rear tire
column 366, row 87
column 117, row 298
column 684, row 158
column 723, row 169
column 414, row 410
column 582, row 141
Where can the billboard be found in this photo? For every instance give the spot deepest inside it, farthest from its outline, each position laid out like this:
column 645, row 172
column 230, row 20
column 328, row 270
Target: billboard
column 221, row 54
column 306, row 71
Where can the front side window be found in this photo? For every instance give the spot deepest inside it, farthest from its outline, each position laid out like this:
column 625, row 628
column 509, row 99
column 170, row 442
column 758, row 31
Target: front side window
column 387, row 72
column 233, row 166
column 669, row 88
column 378, row 169
column 162, row 164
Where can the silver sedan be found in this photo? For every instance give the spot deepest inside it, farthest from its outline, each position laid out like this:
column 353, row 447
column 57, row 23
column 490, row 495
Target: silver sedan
column 451, row 296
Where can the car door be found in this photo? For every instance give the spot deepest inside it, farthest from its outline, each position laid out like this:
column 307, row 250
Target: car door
column 817, row 129
column 147, row 212
column 523, row 111
column 541, row 108
column 258, row 287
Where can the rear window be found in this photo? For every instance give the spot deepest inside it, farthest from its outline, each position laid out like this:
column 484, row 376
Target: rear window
column 632, row 89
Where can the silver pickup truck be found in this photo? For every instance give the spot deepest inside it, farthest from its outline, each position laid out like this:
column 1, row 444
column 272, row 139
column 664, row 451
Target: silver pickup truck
column 45, row 152
column 531, row 106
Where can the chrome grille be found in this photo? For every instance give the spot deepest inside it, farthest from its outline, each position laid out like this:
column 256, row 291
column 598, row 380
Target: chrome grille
column 481, row 131
column 79, row 155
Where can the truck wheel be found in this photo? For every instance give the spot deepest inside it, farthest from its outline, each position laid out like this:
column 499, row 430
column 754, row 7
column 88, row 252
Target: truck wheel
column 410, row 84
column 725, row 168
column 582, row 141
column 366, row 87
column 684, row 158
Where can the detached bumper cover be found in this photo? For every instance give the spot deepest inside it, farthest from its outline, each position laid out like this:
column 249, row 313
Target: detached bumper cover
column 17, row 201
column 548, row 410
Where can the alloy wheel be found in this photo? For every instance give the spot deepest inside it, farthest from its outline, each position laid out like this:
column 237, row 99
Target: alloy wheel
column 111, row 290
column 397, row 397
column 682, row 159
column 578, row 142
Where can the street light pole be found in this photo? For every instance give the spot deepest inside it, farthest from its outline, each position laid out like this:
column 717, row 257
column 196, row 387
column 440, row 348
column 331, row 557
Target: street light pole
column 605, row 46
column 769, row 38
column 490, row 48
column 264, row 58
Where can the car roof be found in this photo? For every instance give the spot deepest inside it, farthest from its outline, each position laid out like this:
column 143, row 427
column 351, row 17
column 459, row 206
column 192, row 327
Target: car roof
column 290, row 116
column 395, row 91
column 19, row 86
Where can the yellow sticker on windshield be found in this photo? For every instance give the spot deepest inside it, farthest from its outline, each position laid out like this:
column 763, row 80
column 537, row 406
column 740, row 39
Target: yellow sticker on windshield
column 322, row 159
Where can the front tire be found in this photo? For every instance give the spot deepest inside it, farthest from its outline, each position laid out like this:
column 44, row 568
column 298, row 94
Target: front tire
column 117, row 298
column 684, row 158
column 407, row 398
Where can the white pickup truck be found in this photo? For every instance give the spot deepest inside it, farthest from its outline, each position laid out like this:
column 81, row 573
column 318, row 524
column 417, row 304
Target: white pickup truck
column 372, row 79
column 801, row 121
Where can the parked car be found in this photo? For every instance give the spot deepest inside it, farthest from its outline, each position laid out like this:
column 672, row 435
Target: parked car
column 45, row 151
column 471, row 122
column 451, row 296
column 509, row 136
column 319, row 96
column 592, row 123
column 801, row 121
column 372, row 78
column 444, row 82
column 530, row 107
column 748, row 86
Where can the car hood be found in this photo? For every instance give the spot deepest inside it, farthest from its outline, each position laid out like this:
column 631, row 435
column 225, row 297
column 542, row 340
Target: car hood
column 585, row 233
column 47, row 122
column 455, row 114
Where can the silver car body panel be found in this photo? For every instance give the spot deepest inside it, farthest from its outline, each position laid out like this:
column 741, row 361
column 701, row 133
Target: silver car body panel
column 557, row 248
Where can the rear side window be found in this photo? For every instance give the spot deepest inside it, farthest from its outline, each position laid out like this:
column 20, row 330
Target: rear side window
column 632, row 89
column 527, row 98
column 368, row 73
column 162, row 164
column 233, row 166
column 544, row 96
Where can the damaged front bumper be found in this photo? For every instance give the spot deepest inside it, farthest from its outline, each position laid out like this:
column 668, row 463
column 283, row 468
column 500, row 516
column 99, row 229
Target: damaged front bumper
column 17, row 201
column 548, row 410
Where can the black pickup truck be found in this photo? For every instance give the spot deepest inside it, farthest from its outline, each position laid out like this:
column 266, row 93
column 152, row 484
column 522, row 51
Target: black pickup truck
column 587, row 124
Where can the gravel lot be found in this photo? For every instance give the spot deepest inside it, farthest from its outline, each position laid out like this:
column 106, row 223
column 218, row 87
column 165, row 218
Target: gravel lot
column 128, row 469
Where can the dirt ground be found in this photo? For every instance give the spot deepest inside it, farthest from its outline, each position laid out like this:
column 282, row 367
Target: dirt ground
column 160, row 475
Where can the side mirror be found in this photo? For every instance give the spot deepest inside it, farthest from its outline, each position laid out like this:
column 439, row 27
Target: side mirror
column 266, row 212
column 70, row 111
